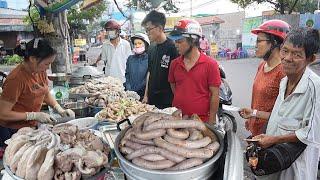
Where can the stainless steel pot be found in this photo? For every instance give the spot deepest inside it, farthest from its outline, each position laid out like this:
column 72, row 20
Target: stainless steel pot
column 201, row 172
column 84, row 73
column 60, row 77
column 81, row 109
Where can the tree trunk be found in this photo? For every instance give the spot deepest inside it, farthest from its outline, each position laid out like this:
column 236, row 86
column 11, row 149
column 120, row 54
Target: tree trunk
column 59, row 42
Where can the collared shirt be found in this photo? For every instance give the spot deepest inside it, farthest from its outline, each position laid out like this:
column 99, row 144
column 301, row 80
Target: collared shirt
column 26, row 91
column 299, row 113
column 192, row 94
column 136, row 73
column 115, row 58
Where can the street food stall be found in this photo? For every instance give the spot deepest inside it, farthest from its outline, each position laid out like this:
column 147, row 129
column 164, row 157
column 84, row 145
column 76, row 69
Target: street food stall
column 123, row 138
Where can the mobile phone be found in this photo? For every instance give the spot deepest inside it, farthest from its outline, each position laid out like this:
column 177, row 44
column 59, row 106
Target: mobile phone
column 252, row 140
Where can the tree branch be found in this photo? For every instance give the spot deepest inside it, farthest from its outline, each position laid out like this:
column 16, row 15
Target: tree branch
column 271, row 2
column 294, row 4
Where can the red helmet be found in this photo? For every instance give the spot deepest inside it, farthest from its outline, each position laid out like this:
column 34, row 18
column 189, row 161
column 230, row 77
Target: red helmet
column 112, row 24
column 185, row 27
column 275, row 27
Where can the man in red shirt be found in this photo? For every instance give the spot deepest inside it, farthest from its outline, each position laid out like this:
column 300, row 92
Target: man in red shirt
column 194, row 77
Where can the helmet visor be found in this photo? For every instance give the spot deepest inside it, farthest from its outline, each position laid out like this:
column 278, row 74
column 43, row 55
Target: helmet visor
column 175, row 35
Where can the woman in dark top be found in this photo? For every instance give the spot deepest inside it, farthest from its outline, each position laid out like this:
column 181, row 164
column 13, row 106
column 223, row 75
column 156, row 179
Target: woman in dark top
column 137, row 65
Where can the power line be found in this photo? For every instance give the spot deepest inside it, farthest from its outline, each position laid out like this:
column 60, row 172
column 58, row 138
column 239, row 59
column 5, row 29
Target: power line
column 198, row 6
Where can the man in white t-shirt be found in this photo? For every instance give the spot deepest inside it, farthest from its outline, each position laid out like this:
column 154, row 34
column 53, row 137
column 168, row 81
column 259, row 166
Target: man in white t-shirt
column 115, row 51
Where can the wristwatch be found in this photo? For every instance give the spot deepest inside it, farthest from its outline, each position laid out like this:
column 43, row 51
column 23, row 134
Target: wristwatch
column 254, row 113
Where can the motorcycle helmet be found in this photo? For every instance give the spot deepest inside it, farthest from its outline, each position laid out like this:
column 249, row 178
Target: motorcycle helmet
column 112, row 24
column 186, row 28
column 276, row 30
column 141, row 36
column 274, row 27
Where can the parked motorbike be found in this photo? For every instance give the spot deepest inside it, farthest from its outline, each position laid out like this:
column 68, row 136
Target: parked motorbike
column 226, row 119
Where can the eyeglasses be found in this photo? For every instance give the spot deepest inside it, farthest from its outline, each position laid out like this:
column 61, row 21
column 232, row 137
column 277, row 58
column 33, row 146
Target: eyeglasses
column 296, row 55
column 180, row 40
column 149, row 29
column 260, row 40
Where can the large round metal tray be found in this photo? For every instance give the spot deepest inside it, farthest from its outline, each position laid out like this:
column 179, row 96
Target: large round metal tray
column 200, row 172
column 99, row 175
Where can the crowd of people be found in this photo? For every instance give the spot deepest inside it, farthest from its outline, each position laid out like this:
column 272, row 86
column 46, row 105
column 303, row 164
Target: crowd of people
column 176, row 71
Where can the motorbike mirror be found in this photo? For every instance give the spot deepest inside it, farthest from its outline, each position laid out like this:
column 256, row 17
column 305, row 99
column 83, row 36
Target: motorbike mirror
column 222, row 73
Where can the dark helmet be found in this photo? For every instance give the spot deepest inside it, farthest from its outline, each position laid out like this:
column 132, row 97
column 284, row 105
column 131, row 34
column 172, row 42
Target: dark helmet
column 112, row 24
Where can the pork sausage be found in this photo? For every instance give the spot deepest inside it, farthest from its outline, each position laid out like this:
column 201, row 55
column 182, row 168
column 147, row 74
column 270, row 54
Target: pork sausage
column 180, row 134
column 153, row 157
column 186, row 164
column 126, row 150
column 140, row 141
column 214, row 147
column 155, row 150
column 134, row 145
column 188, row 144
column 185, row 152
column 161, row 124
column 148, row 135
column 163, row 164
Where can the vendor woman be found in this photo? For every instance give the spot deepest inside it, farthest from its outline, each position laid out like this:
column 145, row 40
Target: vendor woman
column 26, row 88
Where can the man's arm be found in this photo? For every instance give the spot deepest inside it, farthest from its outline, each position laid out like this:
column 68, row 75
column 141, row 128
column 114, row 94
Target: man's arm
column 98, row 59
column 214, row 104
column 266, row 141
column 173, row 86
column 145, row 98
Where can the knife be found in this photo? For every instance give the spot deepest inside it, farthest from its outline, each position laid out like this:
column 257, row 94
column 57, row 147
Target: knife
column 60, row 120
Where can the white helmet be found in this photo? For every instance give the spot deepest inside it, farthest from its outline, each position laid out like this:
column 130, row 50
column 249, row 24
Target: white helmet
column 141, row 36
column 186, row 28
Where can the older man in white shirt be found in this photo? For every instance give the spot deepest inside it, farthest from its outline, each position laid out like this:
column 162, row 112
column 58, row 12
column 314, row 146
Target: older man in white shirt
column 295, row 116
column 115, row 51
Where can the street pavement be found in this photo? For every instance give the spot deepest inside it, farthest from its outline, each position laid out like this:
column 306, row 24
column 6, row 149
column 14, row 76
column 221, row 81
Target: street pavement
column 240, row 74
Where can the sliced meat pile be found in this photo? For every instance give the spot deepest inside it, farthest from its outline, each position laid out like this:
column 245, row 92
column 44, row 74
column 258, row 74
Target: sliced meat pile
column 104, row 90
column 58, row 152
column 122, row 109
column 166, row 142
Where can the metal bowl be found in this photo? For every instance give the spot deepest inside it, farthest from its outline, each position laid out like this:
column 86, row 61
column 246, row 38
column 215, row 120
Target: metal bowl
column 59, row 77
column 201, row 172
column 81, row 109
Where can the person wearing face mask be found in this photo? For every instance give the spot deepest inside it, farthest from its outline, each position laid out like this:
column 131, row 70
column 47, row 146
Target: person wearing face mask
column 115, row 51
column 26, row 88
column 137, row 65
column 270, row 36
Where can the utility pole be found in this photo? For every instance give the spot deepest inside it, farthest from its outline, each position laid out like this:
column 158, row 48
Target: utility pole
column 190, row 8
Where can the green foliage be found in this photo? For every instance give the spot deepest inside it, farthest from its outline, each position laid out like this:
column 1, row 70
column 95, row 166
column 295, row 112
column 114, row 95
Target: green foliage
column 12, row 60
column 77, row 17
column 148, row 5
column 283, row 6
column 34, row 13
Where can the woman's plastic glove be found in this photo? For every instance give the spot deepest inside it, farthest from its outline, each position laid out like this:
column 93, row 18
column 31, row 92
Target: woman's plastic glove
column 40, row 117
column 64, row 112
